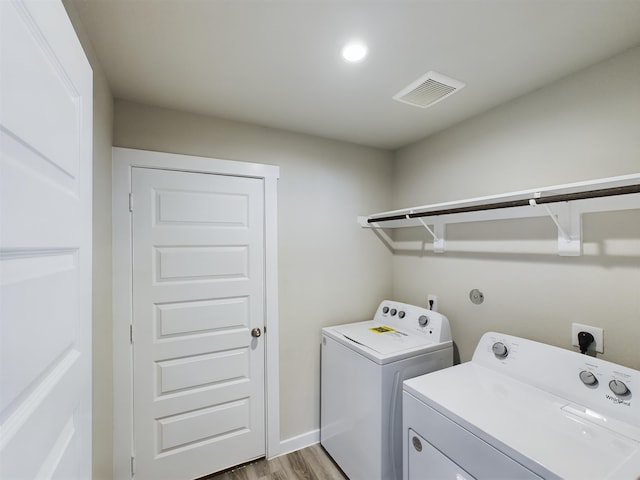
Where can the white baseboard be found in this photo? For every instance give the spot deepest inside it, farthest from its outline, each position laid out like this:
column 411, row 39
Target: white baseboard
column 298, row 442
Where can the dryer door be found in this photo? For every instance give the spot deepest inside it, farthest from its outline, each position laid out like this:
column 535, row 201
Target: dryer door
column 426, row 461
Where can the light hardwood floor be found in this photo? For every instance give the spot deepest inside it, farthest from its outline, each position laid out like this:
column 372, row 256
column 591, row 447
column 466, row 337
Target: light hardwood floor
column 311, row 463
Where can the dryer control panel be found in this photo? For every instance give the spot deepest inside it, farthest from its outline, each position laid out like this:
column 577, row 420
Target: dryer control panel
column 596, row 390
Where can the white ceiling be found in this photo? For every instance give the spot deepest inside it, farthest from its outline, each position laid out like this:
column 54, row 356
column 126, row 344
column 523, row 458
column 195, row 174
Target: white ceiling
column 277, row 62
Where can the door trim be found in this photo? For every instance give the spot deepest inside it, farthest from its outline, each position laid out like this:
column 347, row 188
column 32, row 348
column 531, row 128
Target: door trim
column 123, row 161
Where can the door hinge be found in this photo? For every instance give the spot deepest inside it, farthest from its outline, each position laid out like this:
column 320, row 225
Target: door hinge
column 131, row 333
column 133, row 466
column 131, row 202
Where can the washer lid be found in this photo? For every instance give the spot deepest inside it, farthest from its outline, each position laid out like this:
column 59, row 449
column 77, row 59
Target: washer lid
column 382, row 338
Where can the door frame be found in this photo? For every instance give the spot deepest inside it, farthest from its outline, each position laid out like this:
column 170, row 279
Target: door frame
column 123, row 161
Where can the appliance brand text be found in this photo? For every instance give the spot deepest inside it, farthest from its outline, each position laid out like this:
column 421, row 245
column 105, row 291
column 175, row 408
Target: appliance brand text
column 617, row 400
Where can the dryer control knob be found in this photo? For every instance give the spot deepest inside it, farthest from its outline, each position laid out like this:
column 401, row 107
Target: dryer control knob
column 401, row 314
column 393, row 312
column 588, row 378
column 618, row 387
column 423, row 320
column 385, row 309
column 500, row 350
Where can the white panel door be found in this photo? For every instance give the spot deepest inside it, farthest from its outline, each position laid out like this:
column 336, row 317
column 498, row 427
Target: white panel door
column 198, row 291
column 45, row 244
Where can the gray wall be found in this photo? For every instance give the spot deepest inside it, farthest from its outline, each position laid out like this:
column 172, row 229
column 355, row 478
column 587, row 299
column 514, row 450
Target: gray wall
column 330, row 269
column 583, row 127
column 102, row 286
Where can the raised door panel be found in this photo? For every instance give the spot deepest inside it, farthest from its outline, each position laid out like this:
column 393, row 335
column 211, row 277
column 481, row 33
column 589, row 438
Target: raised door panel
column 45, row 244
column 198, row 262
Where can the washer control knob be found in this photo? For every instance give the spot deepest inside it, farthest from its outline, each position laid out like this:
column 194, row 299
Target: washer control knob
column 401, row 314
column 393, row 312
column 385, row 309
column 500, row 350
column 588, row 378
column 618, row 387
column 423, row 320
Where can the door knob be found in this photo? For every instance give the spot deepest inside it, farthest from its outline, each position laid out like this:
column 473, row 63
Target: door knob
column 256, row 332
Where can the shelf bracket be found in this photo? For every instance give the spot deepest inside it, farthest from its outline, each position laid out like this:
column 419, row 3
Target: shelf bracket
column 569, row 225
column 437, row 233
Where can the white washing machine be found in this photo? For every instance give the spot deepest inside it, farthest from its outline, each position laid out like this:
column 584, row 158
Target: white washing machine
column 363, row 367
column 523, row 410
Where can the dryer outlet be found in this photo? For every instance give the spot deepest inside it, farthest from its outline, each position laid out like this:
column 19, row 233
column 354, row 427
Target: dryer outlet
column 432, row 302
column 598, row 336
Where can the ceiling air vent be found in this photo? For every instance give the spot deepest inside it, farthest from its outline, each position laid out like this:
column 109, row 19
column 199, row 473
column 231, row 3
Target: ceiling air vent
column 428, row 90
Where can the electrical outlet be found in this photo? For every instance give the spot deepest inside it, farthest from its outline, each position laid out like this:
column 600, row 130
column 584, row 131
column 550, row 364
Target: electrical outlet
column 598, row 342
column 434, row 299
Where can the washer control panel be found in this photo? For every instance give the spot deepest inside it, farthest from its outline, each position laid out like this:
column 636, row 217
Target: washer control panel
column 415, row 319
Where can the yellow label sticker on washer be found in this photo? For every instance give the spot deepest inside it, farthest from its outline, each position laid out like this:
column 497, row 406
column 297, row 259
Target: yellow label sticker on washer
column 382, row 329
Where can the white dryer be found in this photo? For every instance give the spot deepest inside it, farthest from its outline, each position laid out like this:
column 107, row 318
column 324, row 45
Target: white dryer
column 363, row 367
column 523, row 410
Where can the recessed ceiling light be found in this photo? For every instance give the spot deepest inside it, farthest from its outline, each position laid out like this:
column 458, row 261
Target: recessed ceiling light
column 354, row 52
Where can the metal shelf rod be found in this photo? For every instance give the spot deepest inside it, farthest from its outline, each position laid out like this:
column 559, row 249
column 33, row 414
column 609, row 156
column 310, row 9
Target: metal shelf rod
column 539, row 200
